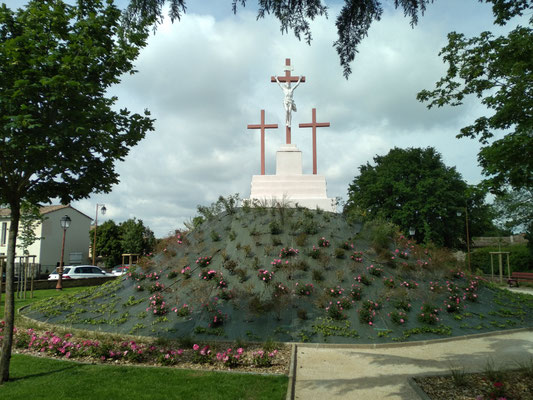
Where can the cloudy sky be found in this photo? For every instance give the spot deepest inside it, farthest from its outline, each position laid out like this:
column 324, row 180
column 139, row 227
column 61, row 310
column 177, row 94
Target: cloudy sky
column 208, row 76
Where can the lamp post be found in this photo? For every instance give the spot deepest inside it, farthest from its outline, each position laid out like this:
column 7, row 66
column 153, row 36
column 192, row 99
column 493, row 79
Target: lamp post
column 65, row 223
column 103, row 210
column 412, row 231
column 459, row 213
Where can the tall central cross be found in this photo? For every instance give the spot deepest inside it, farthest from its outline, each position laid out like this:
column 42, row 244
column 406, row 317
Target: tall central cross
column 314, row 125
column 288, row 79
column 263, row 126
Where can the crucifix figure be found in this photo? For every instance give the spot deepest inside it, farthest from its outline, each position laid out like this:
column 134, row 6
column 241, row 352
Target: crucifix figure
column 263, row 126
column 314, row 125
column 284, row 83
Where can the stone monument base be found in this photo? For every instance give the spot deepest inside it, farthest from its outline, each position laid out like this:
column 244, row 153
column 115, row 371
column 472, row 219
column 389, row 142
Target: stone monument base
column 304, row 190
column 289, row 186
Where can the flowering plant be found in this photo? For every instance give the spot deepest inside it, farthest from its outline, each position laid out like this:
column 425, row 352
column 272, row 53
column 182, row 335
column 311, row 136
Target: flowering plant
column 357, row 256
column 261, row 358
column 203, row 262
column 304, row 290
column 428, row 314
column 201, row 355
column 376, row 271
column 229, row 358
column 277, row 263
column 169, row 357
column 183, row 311
column 208, row 275
column 157, row 305
column 314, row 253
column 157, row 287
column 186, row 272
column 398, row 317
column 280, row 290
column 265, row 275
column 335, row 311
column 153, row 276
column 323, row 242
column 363, row 279
column 356, row 292
column 334, row 292
column 286, row 253
column 217, row 319
column 409, row 284
column 389, row 282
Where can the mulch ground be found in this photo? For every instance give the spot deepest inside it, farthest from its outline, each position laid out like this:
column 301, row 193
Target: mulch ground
column 510, row 385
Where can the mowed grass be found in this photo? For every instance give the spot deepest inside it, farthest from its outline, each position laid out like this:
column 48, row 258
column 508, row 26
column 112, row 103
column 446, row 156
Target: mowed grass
column 42, row 378
column 37, row 295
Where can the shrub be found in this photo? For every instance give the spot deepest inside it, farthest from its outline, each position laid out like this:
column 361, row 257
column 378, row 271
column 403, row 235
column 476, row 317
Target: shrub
column 398, row 317
column 357, row 256
column 339, row 253
column 215, row 237
column 356, row 292
column 265, row 275
column 288, row 252
column 314, row 253
column 428, row 314
column 376, row 271
column 323, row 242
column 261, row 358
column 363, row 279
column 334, row 311
column 304, row 290
column 318, row 275
column 203, row 262
column 275, row 227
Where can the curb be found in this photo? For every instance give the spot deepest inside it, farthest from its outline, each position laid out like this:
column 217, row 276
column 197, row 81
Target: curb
column 292, row 373
column 411, row 344
column 421, row 394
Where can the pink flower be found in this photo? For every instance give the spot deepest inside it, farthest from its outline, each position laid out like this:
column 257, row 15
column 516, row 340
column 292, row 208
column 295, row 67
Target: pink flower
column 195, row 347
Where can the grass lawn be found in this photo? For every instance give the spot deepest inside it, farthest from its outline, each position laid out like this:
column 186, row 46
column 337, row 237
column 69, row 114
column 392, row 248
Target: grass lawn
column 37, row 295
column 41, row 378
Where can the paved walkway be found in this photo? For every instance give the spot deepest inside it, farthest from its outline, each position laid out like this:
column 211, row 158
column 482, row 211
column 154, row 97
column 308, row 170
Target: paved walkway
column 382, row 373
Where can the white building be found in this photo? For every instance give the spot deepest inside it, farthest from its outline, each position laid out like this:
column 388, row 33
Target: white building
column 48, row 249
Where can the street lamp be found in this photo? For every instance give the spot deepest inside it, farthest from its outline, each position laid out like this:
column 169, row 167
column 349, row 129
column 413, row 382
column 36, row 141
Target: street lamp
column 412, row 231
column 459, row 213
column 65, row 223
column 103, row 210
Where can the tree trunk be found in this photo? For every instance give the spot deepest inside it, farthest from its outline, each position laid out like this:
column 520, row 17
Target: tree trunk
column 9, row 310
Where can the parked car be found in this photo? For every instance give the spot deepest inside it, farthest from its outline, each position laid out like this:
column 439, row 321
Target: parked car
column 79, row 272
column 120, row 270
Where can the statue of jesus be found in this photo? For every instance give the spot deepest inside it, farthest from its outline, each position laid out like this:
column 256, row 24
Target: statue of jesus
column 288, row 101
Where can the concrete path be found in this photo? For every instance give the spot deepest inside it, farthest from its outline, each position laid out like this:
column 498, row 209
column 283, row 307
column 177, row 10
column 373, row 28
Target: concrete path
column 382, row 373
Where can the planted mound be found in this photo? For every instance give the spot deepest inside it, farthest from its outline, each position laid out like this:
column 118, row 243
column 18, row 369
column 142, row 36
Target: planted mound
column 292, row 275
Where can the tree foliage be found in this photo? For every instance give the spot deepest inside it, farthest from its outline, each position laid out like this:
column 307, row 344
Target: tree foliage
column 128, row 237
column 499, row 70
column 59, row 133
column 30, row 218
column 414, row 188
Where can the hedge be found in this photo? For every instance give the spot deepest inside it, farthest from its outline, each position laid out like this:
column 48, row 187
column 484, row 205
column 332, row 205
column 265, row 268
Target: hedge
column 519, row 259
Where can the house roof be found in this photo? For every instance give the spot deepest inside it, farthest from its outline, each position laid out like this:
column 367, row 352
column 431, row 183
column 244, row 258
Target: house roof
column 5, row 212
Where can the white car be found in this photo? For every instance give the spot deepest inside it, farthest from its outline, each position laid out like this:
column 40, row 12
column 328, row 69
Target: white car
column 79, row 272
column 120, row 270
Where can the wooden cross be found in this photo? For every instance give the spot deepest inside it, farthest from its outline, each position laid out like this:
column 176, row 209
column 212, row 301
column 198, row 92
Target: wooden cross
column 263, row 126
column 314, row 125
column 287, row 78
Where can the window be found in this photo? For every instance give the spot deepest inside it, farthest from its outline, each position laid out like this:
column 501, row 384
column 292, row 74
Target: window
column 3, row 237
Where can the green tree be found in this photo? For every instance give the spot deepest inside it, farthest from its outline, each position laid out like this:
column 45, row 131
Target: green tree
column 108, row 244
column 413, row 188
column 59, row 133
column 135, row 238
column 30, row 218
column 515, row 212
column 499, row 70
column 353, row 22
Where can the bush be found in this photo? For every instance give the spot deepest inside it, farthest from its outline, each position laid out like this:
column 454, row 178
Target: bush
column 519, row 259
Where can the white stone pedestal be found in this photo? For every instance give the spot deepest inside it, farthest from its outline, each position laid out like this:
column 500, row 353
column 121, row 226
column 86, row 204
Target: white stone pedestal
column 289, row 185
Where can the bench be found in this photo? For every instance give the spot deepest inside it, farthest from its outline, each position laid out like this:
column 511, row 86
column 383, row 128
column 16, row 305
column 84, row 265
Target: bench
column 520, row 277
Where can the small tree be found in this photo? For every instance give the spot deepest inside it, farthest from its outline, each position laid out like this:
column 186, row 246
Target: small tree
column 30, row 218
column 59, row 133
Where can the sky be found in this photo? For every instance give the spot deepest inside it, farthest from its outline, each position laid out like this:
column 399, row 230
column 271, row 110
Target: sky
column 207, row 76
